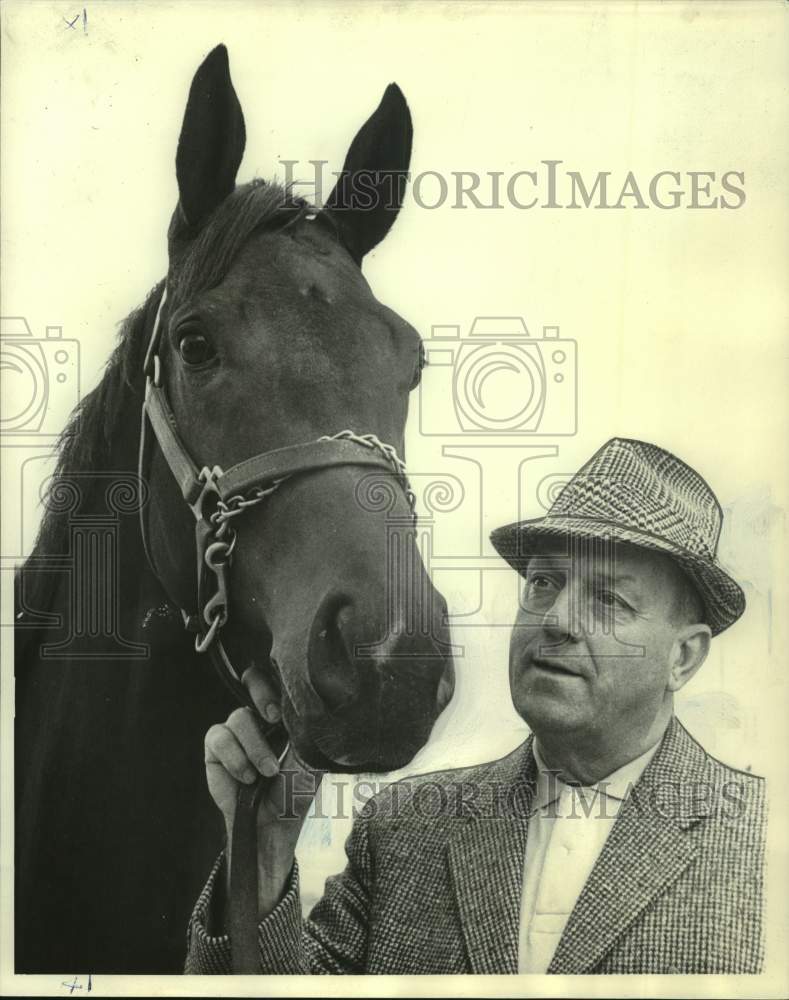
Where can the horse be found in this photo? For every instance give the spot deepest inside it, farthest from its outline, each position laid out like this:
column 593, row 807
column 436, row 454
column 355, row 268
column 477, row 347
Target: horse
column 264, row 506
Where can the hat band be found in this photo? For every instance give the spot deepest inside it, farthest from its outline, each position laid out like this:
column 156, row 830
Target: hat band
column 704, row 554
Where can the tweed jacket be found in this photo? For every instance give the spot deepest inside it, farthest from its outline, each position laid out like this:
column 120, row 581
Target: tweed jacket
column 435, row 866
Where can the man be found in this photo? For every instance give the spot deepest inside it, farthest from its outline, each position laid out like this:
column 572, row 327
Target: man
column 610, row 841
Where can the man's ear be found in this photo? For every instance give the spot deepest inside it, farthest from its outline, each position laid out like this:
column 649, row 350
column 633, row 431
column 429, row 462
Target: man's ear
column 212, row 140
column 370, row 190
column 691, row 645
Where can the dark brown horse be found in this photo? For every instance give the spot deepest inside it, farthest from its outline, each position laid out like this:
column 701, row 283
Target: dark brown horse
column 269, row 337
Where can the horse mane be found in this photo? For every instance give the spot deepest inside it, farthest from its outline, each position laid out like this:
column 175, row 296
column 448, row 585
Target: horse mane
column 99, row 437
column 102, row 433
column 207, row 258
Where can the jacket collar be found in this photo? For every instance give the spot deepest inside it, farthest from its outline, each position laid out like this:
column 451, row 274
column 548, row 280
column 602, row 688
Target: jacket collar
column 486, row 862
column 648, row 848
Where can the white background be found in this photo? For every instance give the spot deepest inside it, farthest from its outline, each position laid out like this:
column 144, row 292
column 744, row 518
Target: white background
column 679, row 316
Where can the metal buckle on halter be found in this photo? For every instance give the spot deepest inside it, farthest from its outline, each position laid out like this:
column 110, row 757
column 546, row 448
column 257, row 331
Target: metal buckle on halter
column 208, row 478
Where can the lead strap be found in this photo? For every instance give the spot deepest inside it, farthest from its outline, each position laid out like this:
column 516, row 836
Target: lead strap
column 243, row 902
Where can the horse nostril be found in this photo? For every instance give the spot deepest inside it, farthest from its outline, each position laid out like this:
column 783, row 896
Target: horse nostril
column 332, row 671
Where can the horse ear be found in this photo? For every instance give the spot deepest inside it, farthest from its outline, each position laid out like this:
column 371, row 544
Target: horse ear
column 212, row 140
column 371, row 187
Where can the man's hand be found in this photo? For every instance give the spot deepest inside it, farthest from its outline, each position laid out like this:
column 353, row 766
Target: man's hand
column 237, row 752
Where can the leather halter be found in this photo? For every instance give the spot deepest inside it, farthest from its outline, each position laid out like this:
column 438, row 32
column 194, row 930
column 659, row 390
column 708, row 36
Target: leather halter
column 215, row 497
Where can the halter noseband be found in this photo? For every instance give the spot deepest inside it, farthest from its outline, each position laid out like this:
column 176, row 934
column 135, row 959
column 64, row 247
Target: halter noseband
column 216, row 497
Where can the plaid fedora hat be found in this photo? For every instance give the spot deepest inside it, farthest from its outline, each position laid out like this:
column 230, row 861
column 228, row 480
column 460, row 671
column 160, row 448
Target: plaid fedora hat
column 635, row 492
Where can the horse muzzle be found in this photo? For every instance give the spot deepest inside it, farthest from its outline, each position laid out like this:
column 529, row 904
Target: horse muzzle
column 374, row 695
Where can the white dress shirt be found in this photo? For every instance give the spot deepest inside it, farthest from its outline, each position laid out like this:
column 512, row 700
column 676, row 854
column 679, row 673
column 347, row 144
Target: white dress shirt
column 568, row 826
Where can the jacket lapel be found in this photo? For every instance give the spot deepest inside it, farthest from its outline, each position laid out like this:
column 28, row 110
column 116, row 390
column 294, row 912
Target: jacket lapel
column 486, row 865
column 648, row 848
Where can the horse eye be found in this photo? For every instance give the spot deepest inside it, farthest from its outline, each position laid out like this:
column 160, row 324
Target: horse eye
column 195, row 349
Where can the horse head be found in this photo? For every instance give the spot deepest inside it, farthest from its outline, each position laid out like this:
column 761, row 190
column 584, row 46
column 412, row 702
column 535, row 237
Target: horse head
column 271, row 337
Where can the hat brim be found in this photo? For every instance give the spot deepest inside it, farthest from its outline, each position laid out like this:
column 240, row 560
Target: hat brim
column 722, row 596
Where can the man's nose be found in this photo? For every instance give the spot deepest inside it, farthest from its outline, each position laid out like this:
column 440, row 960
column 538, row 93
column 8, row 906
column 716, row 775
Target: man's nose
column 562, row 621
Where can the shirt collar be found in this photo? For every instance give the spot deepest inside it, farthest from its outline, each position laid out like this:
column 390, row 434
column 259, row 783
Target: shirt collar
column 616, row 785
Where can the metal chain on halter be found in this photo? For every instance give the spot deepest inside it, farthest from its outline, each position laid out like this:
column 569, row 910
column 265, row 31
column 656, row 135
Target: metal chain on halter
column 389, row 453
column 218, row 553
column 215, row 551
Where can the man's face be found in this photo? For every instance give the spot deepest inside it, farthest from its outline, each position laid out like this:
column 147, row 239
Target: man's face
column 590, row 650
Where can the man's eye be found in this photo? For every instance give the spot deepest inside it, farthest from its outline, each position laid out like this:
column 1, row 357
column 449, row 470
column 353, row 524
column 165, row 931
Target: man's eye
column 195, row 349
column 539, row 587
column 611, row 600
